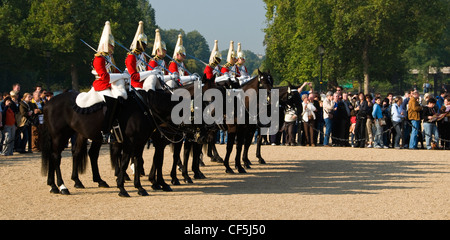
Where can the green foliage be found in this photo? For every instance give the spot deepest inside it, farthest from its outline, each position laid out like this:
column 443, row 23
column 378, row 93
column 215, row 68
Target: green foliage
column 41, row 39
column 374, row 32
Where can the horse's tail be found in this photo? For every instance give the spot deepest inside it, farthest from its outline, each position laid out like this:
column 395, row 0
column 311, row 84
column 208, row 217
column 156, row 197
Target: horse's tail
column 115, row 153
column 81, row 157
column 46, row 148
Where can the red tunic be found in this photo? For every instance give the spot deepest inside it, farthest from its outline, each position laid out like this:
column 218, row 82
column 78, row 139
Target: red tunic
column 173, row 68
column 130, row 63
column 228, row 69
column 209, row 71
column 153, row 64
column 102, row 82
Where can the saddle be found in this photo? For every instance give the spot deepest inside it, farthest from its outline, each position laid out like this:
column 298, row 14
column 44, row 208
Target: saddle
column 89, row 102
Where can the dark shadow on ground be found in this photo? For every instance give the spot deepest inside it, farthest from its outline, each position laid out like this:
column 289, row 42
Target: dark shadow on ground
column 319, row 177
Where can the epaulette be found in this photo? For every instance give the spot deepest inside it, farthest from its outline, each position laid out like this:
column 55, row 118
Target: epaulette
column 100, row 54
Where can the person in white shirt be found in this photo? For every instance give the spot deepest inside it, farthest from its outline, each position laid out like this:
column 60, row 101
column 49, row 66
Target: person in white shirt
column 308, row 118
column 328, row 108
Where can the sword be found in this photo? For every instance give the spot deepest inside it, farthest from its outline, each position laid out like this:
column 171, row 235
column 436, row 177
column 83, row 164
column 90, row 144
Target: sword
column 102, row 56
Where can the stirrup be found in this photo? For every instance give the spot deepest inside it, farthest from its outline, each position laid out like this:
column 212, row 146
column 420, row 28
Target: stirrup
column 117, row 133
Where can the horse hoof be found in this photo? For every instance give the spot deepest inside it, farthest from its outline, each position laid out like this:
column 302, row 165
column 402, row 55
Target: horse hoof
column 167, row 188
column 156, row 187
column 188, row 180
column 142, row 192
column 199, row 176
column 241, row 170
column 65, row 192
column 79, row 185
column 230, row 171
column 261, row 161
column 247, row 166
column 124, row 194
column 175, row 182
column 54, row 190
column 103, row 184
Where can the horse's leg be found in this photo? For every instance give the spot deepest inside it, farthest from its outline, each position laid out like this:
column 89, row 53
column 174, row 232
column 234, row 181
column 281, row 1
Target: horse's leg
column 158, row 159
column 247, row 143
column 176, row 161
column 216, row 155
column 123, row 167
column 186, row 153
column 51, row 171
column 258, row 149
column 152, row 173
column 239, row 143
column 209, row 151
column 59, row 181
column 94, row 152
column 230, row 143
column 138, row 162
column 78, row 149
column 197, row 150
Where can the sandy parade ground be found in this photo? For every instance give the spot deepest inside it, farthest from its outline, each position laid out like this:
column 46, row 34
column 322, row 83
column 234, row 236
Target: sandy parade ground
column 296, row 183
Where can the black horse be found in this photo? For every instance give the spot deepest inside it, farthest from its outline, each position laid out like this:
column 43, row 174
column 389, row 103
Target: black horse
column 288, row 96
column 247, row 130
column 61, row 122
column 150, row 118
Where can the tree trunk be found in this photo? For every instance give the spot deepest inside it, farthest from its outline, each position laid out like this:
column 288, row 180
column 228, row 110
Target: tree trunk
column 74, row 74
column 365, row 59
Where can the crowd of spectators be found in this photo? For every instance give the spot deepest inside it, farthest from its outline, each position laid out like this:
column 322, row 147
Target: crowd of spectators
column 21, row 120
column 343, row 119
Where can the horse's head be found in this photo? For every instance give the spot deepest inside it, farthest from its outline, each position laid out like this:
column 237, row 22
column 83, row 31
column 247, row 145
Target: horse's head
column 265, row 80
column 290, row 96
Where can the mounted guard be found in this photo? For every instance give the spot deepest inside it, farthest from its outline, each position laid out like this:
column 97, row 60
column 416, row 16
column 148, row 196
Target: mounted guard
column 229, row 70
column 213, row 67
column 158, row 64
column 243, row 76
column 109, row 84
column 177, row 67
column 136, row 63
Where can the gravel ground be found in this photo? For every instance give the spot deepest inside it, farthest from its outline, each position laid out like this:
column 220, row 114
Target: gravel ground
column 296, row 183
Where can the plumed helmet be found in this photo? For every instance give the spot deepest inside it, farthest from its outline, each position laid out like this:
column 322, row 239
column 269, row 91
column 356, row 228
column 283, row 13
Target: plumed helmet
column 161, row 45
column 179, row 48
column 215, row 56
column 139, row 37
column 240, row 53
column 231, row 52
column 106, row 39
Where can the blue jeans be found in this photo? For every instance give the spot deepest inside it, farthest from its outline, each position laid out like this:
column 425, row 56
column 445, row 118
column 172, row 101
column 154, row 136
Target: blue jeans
column 223, row 136
column 328, row 127
column 430, row 129
column 378, row 135
column 414, row 132
column 398, row 133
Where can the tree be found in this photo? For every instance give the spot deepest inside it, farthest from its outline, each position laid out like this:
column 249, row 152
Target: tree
column 363, row 39
column 55, row 27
